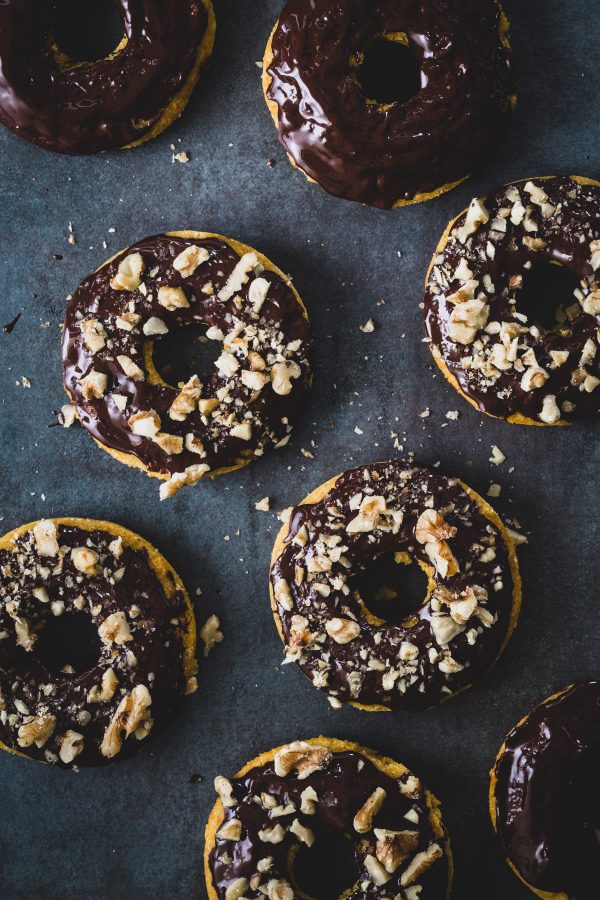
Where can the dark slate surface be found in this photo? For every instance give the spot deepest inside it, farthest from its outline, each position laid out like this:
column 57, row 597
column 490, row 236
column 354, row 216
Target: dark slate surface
column 134, row 831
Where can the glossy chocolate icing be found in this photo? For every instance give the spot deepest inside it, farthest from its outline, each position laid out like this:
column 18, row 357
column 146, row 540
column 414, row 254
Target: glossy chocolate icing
column 566, row 235
column 547, row 794
column 88, row 107
column 380, row 154
column 342, row 788
column 152, row 657
column 279, row 323
column 396, row 665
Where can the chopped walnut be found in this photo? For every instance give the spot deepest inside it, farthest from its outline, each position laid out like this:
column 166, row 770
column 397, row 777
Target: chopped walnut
column 550, row 412
column 172, row 297
column 85, row 560
column 376, row 871
column 477, row 215
column 421, row 862
column 343, row 631
column 71, row 745
column 171, row 444
column 369, row 515
column 189, row 259
column 45, row 536
column 237, row 888
column 107, row 689
column 305, row 758
column 132, row 715
column 239, row 276
column 115, row 629
column 94, row 334
column 129, row 273
column 186, row 401
column 281, row 375
column 154, row 326
column 304, row 834
column 363, row 820
column 131, row 369
column 145, row 423
column 36, row 730
column 231, row 830
column 68, row 415
column 211, row 634
column 394, row 847
column 93, row 386
column 224, row 789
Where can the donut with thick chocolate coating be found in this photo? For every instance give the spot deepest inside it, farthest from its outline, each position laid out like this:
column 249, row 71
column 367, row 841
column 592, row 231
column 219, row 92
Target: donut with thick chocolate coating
column 544, row 791
column 504, row 364
column 464, row 622
column 252, row 398
column 127, row 98
column 389, row 152
column 71, row 572
column 293, row 798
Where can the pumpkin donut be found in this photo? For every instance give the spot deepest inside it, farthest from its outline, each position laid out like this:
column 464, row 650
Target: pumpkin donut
column 463, row 624
column 57, row 576
column 251, row 400
column 389, row 102
column 123, row 100
column 502, row 363
column 544, row 790
column 294, row 799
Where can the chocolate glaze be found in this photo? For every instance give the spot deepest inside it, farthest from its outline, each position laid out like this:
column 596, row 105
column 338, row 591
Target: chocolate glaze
column 95, row 106
column 153, row 657
column 374, row 668
column 547, row 794
column 342, row 788
column 380, row 154
column 279, row 322
column 567, row 234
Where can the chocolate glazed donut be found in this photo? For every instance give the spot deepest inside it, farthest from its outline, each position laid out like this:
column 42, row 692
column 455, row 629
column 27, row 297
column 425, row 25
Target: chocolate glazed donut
column 56, row 577
column 545, row 796
column 457, row 632
column 252, row 398
column 392, row 153
column 305, row 795
column 123, row 100
column 501, row 362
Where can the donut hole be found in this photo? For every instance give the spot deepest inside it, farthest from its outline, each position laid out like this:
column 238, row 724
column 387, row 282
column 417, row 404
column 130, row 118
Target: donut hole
column 86, row 30
column 546, row 292
column 184, row 352
column 71, row 641
column 327, row 869
column 392, row 587
column 388, row 70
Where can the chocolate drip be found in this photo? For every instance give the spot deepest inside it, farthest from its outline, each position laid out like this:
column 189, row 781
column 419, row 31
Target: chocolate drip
column 382, row 153
column 88, row 107
column 548, row 794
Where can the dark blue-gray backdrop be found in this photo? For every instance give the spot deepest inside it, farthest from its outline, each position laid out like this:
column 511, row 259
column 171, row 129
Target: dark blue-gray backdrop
column 134, row 831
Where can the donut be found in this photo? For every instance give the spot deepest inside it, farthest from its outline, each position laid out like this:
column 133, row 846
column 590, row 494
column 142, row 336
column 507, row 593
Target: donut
column 504, row 364
column 544, row 791
column 297, row 799
column 127, row 98
column 57, row 576
column 181, row 433
column 366, row 514
column 444, row 91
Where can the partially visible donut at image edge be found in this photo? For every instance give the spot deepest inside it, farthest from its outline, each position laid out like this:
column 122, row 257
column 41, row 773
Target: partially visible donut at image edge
column 303, row 796
column 503, row 362
column 441, row 108
column 67, row 573
column 457, row 630
column 123, row 100
column 251, row 399
column 544, row 792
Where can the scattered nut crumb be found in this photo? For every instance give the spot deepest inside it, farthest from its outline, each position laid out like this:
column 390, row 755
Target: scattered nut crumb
column 263, row 505
column 497, row 457
column 211, row 634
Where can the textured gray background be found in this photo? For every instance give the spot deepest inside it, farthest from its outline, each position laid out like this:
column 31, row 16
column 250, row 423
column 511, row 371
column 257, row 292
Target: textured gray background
column 134, row 830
